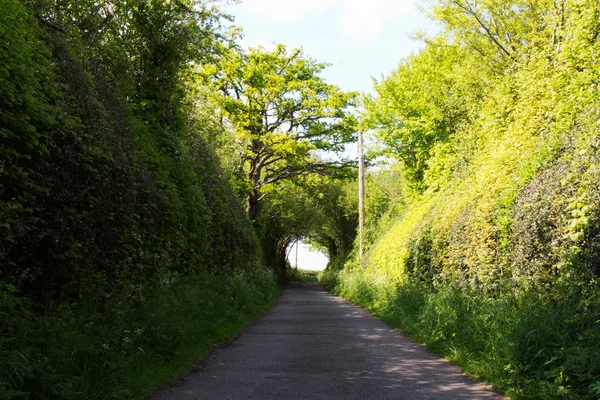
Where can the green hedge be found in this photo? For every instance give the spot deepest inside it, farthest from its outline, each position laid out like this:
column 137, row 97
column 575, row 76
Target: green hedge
column 492, row 258
column 145, row 336
column 124, row 253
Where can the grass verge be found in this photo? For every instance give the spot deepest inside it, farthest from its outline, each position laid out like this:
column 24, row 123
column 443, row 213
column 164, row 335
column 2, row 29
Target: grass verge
column 142, row 337
column 522, row 344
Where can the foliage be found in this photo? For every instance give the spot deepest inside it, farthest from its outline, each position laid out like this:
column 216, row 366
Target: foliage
column 320, row 210
column 300, row 275
column 24, row 109
column 422, row 103
column 282, row 111
column 286, row 217
column 336, row 203
column 146, row 335
column 526, row 347
column 113, row 184
column 114, row 214
column 491, row 256
column 386, row 195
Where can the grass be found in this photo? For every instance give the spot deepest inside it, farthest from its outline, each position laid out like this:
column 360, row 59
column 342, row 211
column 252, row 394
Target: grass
column 141, row 338
column 525, row 346
column 301, row 275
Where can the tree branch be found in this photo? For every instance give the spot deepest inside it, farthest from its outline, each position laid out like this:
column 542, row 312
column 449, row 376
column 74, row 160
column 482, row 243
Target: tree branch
column 325, row 169
column 51, row 25
column 469, row 11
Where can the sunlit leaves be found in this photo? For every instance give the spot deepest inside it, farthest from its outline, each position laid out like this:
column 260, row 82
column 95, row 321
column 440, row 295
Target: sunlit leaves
column 282, row 111
column 424, row 102
column 510, row 191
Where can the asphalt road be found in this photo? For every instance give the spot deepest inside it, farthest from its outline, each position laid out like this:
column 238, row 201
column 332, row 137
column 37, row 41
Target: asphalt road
column 314, row 345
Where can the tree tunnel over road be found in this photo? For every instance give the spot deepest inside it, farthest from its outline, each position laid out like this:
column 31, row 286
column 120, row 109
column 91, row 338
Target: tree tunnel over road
column 321, row 211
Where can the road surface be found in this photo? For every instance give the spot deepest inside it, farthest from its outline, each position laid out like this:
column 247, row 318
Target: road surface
column 314, row 345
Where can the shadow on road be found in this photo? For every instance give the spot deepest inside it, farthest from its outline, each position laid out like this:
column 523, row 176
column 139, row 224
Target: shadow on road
column 314, row 345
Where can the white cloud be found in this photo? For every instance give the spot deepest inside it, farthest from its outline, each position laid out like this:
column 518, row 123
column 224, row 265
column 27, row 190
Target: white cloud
column 286, row 10
column 365, row 19
column 357, row 19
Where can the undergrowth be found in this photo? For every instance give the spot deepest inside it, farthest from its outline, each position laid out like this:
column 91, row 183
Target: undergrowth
column 134, row 340
column 526, row 346
column 301, row 275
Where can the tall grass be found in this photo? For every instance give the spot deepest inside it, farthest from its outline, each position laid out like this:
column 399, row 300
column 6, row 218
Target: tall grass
column 525, row 345
column 131, row 342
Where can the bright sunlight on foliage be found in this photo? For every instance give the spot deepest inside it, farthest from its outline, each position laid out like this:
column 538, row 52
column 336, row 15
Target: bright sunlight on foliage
column 493, row 256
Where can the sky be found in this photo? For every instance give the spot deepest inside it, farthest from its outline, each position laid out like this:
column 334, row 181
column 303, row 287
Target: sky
column 361, row 39
column 307, row 259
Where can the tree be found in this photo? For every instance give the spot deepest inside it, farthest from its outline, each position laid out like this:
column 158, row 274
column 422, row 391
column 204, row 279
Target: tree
column 320, row 209
column 102, row 169
column 283, row 112
column 423, row 103
column 286, row 216
column 336, row 202
column 495, row 29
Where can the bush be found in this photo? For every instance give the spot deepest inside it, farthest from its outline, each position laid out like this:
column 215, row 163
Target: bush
column 144, row 336
column 525, row 346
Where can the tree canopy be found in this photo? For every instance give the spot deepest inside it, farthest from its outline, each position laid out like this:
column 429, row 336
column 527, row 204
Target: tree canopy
column 422, row 103
column 494, row 126
column 282, row 112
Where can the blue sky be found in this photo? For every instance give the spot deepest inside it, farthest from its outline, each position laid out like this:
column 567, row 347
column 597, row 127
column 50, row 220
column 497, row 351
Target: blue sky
column 359, row 38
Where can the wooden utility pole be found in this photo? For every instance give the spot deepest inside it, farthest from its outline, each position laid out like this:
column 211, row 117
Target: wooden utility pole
column 361, row 195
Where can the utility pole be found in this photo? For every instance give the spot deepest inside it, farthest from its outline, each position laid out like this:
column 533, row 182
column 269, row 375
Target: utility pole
column 361, row 195
column 296, row 254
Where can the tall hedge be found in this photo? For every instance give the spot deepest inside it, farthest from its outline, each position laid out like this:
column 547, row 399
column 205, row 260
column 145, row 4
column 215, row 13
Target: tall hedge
column 104, row 178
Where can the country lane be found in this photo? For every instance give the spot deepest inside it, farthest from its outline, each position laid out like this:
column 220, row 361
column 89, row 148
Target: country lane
column 314, row 345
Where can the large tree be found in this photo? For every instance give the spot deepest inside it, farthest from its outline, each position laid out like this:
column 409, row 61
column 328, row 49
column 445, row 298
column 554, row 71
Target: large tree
column 283, row 112
column 422, row 103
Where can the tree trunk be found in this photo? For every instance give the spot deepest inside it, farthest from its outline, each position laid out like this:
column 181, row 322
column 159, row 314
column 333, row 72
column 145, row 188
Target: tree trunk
column 252, row 208
column 332, row 248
